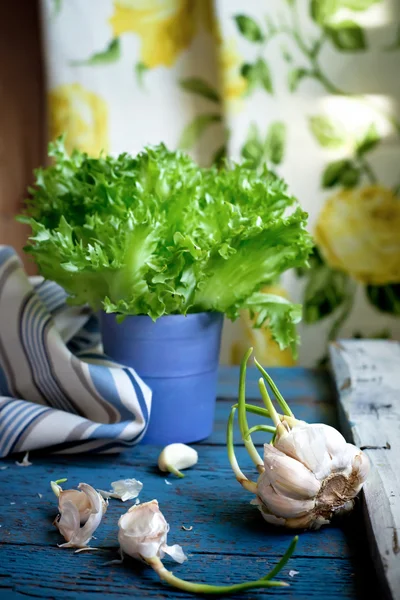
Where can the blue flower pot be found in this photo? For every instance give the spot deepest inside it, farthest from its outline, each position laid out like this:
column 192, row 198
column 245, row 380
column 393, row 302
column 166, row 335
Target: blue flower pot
column 177, row 356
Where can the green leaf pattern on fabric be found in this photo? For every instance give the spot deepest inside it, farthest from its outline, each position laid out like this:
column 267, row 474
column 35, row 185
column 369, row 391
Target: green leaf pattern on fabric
column 195, row 129
column 110, row 55
column 386, row 298
column 257, row 74
column 347, row 36
column 200, row 87
column 249, row 28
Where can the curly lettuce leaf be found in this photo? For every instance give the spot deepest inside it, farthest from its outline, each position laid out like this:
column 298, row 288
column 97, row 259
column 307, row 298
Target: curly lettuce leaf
column 156, row 234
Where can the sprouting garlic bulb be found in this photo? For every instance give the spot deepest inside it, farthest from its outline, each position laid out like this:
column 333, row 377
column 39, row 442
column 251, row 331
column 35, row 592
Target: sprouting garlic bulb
column 175, row 457
column 80, row 513
column 310, row 474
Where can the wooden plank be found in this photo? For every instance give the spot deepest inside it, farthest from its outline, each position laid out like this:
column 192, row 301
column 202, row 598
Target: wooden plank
column 368, row 379
column 58, row 573
column 294, row 383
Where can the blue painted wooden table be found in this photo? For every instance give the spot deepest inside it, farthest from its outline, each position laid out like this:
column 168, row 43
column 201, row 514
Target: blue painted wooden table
column 229, row 541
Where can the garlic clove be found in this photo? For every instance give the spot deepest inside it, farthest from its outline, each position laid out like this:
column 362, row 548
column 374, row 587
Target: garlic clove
column 80, row 512
column 335, row 442
column 309, row 521
column 79, row 500
column 282, row 505
column 175, row 457
column 69, row 521
column 143, row 533
column 360, row 471
column 344, row 462
column 307, row 444
column 289, row 476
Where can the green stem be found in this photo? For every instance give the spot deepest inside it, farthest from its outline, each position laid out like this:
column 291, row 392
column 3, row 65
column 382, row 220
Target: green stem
column 366, row 167
column 203, row 588
column 255, row 410
column 242, row 479
column 316, row 72
column 291, row 421
column 57, row 489
column 312, row 54
column 279, row 566
column 268, row 403
column 174, row 471
column 242, row 416
column 266, row 428
column 282, row 402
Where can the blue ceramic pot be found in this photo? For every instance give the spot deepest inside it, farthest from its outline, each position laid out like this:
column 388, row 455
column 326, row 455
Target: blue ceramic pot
column 177, row 357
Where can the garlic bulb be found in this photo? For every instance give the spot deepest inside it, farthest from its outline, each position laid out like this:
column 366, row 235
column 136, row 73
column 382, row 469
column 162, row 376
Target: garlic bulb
column 80, row 513
column 143, row 533
column 309, row 472
column 175, row 457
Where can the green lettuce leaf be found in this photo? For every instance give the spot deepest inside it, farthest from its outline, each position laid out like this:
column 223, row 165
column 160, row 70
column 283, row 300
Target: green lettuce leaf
column 156, row 234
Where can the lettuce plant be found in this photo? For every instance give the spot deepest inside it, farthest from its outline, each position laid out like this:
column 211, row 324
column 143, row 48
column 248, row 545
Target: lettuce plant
column 155, row 234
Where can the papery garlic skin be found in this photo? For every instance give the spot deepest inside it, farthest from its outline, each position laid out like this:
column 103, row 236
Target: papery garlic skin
column 123, row 489
column 310, row 473
column 143, row 533
column 175, row 457
column 80, row 514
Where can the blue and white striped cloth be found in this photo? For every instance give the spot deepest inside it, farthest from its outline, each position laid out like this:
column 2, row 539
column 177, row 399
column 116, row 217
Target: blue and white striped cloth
column 56, row 387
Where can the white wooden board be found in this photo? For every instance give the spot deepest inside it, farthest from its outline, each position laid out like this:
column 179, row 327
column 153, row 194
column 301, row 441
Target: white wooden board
column 367, row 374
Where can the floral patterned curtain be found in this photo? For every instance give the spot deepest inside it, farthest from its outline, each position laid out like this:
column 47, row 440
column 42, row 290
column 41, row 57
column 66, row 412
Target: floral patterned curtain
column 312, row 87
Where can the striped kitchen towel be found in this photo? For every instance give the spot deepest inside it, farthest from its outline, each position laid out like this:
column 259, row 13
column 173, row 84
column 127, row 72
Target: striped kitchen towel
column 56, row 387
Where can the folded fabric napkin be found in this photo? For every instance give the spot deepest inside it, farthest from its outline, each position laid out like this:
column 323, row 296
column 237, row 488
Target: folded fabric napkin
column 56, row 387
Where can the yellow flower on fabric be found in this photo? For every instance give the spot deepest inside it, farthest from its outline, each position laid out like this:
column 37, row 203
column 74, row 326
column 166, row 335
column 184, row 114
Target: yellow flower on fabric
column 266, row 350
column 234, row 85
column 81, row 115
column 358, row 231
column 166, row 27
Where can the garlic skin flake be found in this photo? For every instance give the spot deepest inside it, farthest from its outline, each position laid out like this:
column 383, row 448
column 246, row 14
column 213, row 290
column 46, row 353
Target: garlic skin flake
column 25, row 462
column 175, row 457
column 143, row 533
column 310, row 474
column 80, row 514
column 123, row 489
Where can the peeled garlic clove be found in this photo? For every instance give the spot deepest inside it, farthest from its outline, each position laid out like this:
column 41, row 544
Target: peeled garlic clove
column 175, row 457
